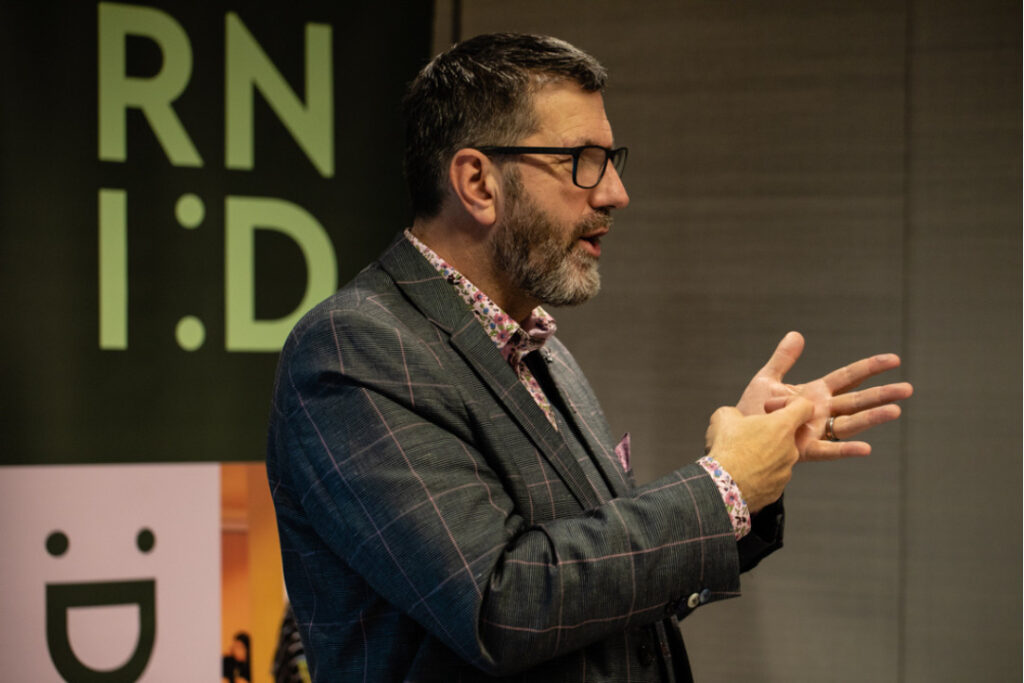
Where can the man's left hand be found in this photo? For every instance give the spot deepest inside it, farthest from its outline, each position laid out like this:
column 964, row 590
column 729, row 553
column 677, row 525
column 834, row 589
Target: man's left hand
column 832, row 396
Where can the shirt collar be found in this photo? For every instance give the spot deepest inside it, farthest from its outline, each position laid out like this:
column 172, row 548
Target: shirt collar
column 512, row 339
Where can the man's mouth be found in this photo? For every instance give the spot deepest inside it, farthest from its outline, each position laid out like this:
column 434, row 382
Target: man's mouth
column 592, row 241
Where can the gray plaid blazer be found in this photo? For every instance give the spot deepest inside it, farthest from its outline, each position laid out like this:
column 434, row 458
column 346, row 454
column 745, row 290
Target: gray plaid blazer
column 435, row 527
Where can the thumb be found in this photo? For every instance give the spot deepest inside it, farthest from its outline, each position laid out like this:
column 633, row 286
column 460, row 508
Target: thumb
column 785, row 356
column 724, row 414
column 799, row 411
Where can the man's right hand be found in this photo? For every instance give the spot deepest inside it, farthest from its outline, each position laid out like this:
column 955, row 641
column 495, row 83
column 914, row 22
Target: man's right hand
column 758, row 451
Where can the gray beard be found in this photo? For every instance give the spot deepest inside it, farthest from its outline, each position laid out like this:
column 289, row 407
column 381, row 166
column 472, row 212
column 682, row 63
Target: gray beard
column 536, row 261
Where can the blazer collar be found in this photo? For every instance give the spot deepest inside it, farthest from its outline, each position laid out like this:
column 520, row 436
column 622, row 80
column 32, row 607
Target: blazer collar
column 424, row 286
column 441, row 304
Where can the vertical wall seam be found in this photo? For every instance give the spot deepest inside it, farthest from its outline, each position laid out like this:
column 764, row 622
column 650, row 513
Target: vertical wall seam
column 456, row 21
column 903, row 524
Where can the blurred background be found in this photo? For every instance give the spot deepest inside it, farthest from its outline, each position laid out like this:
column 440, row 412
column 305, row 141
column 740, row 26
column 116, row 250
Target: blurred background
column 851, row 170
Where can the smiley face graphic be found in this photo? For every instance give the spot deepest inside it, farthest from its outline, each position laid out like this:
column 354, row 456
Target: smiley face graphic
column 112, row 572
column 61, row 597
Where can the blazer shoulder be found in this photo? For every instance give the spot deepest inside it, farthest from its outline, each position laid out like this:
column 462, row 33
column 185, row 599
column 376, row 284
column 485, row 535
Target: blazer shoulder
column 369, row 300
column 367, row 328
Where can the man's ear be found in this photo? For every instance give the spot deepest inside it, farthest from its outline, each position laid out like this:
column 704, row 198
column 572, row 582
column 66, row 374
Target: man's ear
column 475, row 183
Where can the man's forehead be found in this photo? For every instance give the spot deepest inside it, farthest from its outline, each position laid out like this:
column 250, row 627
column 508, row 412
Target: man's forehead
column 569, row 115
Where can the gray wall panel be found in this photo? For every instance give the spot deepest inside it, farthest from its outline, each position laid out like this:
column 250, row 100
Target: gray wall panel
column 963, row 344
column 822, row 167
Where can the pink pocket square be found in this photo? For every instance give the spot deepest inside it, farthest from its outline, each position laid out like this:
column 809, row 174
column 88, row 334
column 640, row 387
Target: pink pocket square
column 622, row 450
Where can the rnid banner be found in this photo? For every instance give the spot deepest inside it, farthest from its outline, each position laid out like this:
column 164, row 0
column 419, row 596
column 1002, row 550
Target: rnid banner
column 179, row 182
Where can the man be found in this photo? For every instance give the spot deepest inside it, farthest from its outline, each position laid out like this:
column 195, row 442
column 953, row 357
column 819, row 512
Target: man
column 450, row 502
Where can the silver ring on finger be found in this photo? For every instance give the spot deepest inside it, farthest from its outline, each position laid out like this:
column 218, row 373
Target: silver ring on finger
column 830, row 429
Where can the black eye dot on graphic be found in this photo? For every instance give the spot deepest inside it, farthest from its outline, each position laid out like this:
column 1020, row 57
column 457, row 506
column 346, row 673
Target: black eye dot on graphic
column 57, row 543
column 145, row 540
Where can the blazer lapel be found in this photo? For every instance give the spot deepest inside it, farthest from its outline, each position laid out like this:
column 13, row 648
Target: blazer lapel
column 585, row 412
column 439, row 302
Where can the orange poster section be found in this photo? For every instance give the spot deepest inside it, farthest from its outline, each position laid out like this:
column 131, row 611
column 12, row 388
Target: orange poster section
column 252, row 594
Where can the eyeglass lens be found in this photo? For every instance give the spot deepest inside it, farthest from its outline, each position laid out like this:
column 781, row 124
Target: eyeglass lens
column 591, row 165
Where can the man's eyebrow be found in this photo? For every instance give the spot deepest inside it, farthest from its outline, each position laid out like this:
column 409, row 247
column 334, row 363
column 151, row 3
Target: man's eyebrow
column 590, row 142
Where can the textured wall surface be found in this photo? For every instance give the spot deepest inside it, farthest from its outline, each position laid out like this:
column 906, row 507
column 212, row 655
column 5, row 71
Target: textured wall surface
column 853, row 171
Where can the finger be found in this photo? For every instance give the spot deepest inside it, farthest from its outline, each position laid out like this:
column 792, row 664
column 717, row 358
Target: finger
column 781, row 389
column 777, row 403
column 852, row 375
column 722, row 416
column 784, row 357
column 819, row 451
column 851, row 425
column 848, row 404
column 784, row 396
column 804, row 437
column 724, row 413
column 799, row 411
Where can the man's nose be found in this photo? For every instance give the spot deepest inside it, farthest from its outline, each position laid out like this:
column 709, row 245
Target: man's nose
column 610, row 192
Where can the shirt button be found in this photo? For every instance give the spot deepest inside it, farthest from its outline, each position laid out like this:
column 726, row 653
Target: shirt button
column 705, row 595
column 693, row 601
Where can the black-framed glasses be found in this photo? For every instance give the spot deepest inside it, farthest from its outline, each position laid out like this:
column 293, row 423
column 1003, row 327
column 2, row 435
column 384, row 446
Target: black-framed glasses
column 588, row 161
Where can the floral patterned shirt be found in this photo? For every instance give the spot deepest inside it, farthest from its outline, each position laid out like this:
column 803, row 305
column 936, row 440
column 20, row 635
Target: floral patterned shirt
column 737, row 508
column 514, row 341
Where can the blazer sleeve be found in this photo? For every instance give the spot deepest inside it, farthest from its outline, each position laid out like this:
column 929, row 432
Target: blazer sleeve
column 765, row 536
column 366, row 435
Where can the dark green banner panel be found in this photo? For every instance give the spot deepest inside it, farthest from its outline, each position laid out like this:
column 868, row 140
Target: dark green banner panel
column 178, row 183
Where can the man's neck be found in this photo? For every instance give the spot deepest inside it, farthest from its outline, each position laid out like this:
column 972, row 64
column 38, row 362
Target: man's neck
column 465, row 245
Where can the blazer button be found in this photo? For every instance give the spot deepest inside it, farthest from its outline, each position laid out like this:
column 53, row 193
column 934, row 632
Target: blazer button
column 693, row 601
column 645, row 653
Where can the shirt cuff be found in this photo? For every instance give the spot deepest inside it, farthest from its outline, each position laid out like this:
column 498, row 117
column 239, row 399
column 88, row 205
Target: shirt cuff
column 731, row 497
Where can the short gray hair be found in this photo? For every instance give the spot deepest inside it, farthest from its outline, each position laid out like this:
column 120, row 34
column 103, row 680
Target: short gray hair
column 479, row 92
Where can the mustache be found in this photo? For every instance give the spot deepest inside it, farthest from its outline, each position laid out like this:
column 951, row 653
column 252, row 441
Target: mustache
column 601, row 218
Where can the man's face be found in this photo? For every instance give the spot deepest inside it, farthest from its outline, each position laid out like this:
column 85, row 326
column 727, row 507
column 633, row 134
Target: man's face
column 548, row 238
column 537, row 255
